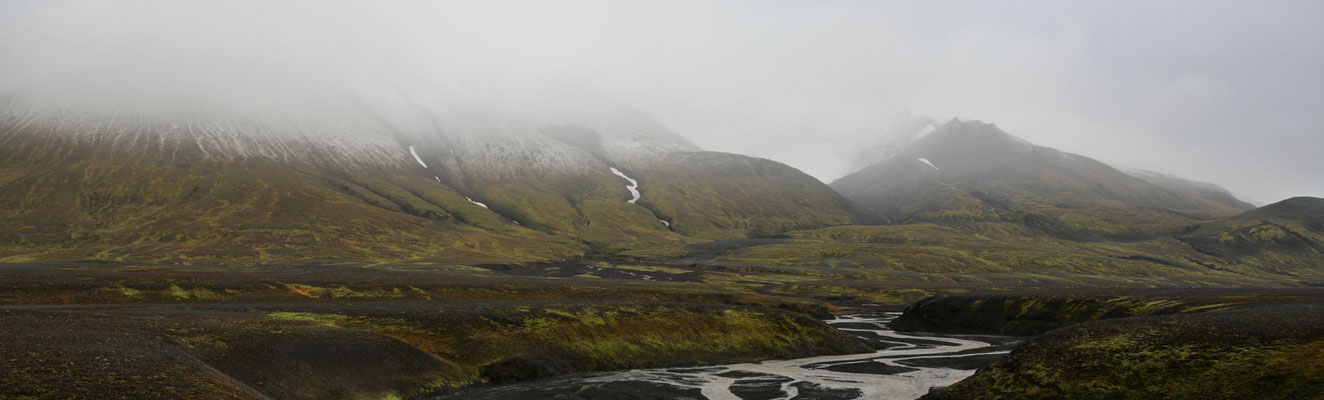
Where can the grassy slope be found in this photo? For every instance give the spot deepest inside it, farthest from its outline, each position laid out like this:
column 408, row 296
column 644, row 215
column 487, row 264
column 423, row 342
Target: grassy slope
column 63, row 202
column 587, row 206
column 724, row 196
column 1266, row 352
column 934, row 253
column 1286, row 237
column 1036, row 312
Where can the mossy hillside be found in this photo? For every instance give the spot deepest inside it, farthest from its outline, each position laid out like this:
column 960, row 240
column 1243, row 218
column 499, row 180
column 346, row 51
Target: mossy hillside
column 1079, row 218
column 702, row 195
column 1287, row 237
column 714, row 195
column 620, row 226
column 170, row 201
column 543, row 202
column 542, row 341
column 998, row 206
column 935, row 253
column 62, row 201
column 900, row 264
column 1270, row 352
column 984, row 175
column 1031, row 314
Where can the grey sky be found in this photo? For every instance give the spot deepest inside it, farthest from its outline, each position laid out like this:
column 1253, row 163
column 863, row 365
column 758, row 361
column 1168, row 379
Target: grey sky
column 1224, row 91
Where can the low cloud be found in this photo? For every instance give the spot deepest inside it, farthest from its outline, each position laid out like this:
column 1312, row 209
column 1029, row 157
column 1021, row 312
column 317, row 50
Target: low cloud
column 1222, row 91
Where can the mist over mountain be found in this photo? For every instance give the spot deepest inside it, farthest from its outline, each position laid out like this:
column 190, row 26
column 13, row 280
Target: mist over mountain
column 892, row 141
column 378, row 175
column 1204, row 189
column 601, row 199
column 790, row 82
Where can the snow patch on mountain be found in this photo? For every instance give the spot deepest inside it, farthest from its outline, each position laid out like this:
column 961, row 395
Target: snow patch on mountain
column 417, row 158
column 475, row 202
column 633, row 187
column 926, row 161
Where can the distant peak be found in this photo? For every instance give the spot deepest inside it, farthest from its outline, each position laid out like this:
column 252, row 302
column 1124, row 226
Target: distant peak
column 957, row 122
column 894, row 139
column 975, row 132
column 1299, row 202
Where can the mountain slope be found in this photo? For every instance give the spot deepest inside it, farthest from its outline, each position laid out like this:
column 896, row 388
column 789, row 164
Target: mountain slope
column 972, row 175
column 1286, row 237
column 62, row 200
column 1204, row 191
column 374, row 180
column 722, row 196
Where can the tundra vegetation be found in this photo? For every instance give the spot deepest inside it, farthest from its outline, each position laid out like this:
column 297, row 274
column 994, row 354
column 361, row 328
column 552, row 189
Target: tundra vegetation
column 1245, row 347
column 290, row 277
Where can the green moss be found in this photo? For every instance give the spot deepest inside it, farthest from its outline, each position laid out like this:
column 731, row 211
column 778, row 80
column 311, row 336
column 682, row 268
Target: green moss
column 178, row 293
column 320, row 318
column 126, row 291
column 643, row 268
column 887, row 296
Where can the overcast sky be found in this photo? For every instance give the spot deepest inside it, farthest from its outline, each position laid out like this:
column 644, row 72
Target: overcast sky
column 1229, row 92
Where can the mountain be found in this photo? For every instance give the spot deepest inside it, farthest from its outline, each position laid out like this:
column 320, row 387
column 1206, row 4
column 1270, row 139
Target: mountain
column 1203, row 190
column 895, row 138
column 383, row 175
column 1286, row 237
column 972, row 175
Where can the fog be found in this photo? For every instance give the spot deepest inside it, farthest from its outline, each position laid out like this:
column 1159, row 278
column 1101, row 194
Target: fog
column 1228, row 92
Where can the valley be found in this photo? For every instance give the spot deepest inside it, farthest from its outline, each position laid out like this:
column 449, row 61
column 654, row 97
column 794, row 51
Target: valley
column 612, row 259
column 661, row 200
column 383, row 330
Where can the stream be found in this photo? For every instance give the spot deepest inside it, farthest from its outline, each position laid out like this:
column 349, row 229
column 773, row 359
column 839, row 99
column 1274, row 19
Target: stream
column 906, row 366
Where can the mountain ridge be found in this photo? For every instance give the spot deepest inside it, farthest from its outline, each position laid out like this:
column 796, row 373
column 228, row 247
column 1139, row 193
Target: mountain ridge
column 971, row 174
column 435, row 182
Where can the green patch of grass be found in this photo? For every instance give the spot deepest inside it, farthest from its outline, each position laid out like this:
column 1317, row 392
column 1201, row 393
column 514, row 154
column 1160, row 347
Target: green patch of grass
column 177, row 293
column 126, row 291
